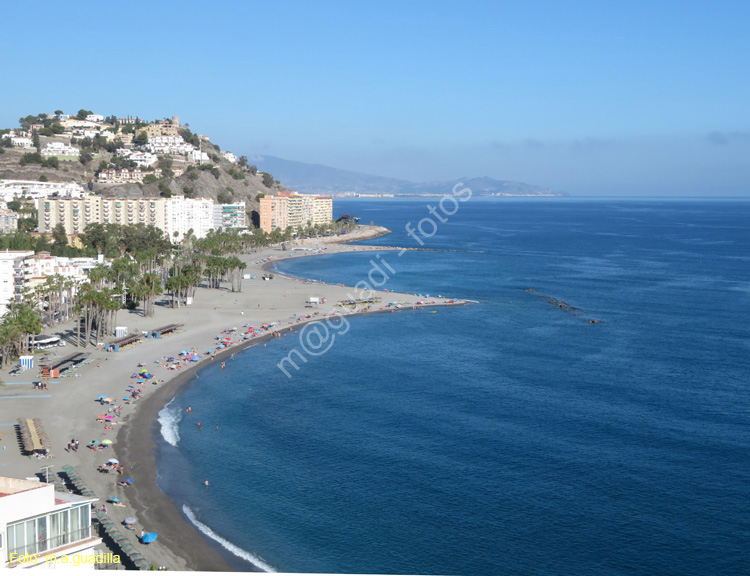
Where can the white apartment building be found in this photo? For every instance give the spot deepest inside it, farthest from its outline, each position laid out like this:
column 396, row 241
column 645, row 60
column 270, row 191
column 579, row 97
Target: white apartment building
column 95, row 118
column 229, row 216
column 41, row 528
column 11, row 189
column 186, row 213
column 37, row 267
column 143, row 159
column 60, row 149
column 11, row 277
column 198, row 157
column 168, row 145
column 8, row 220
column 228, row 156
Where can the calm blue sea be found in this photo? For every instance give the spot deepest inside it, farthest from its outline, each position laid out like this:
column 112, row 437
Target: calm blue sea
column 510, row 436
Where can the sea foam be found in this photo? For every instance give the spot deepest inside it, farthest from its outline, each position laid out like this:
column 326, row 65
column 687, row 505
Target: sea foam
column 236, row 550
column 169, row 419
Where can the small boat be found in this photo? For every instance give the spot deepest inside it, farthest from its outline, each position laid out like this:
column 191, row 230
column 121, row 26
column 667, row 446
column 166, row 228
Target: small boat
column 433, row 312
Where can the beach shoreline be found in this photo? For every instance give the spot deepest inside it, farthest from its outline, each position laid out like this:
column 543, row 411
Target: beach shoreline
column 180, row 547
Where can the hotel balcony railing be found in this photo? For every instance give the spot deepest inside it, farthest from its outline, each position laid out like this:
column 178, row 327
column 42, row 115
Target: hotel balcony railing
column 50, row 544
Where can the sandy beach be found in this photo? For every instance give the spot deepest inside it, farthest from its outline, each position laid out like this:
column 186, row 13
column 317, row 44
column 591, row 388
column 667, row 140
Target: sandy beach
column 69, row 407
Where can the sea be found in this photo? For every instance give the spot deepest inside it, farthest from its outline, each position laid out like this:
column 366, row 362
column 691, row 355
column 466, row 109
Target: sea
column 588, row 413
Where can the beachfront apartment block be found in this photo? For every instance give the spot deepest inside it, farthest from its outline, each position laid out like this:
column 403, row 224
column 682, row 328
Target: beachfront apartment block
column 11, row 276
column 176, row 214
column 40, row 526
column 35, row 269
column 230, row 216
column 295, row 210
column 184, row 214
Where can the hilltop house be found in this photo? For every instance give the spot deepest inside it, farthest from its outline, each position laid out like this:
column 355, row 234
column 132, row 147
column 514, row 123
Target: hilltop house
column 60, row 149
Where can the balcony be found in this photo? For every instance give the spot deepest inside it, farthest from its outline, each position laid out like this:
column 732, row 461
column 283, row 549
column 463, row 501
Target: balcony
column 50, row 545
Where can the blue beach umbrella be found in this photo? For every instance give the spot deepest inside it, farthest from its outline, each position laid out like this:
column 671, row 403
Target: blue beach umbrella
column 114, row 499
column 149, row 537
column 129, row 480
column 100, row 396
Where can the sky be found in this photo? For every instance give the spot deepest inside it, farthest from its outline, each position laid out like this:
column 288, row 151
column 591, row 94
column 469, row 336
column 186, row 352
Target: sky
column 636, row 98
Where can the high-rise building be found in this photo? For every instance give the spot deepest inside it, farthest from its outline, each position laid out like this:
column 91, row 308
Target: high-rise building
column 176, row 214
column 295, row 210
column 230, row 216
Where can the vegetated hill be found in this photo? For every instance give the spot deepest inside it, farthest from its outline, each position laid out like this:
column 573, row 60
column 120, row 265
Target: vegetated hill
column 482, row 186
column 68, row 170
column 227, row 182
column 320, row 179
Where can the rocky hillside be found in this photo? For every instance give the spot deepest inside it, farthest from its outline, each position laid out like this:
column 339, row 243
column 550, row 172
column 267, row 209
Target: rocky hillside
column 220, row 180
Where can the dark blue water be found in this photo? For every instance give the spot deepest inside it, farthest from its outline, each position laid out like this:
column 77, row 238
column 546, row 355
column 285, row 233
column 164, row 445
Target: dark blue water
column 507, row 437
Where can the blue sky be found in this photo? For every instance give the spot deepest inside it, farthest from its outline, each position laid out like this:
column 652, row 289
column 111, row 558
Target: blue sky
column 595, row 98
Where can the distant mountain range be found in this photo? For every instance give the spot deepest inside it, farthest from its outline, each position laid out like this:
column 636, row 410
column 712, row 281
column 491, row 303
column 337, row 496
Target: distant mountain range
column 320, row 179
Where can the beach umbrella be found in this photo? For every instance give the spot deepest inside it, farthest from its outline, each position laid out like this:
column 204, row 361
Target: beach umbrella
column 107, row 441
column 100, row 396
column 149, row 537
column 109, row 417
column 113, row 461
column 129, row 480
column 195, row 358
column 102, row 416
column 130, row 520
column 114, row 499
column 94, row 442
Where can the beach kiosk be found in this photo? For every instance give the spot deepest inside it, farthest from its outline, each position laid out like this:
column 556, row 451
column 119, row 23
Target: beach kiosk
column 26, row 362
